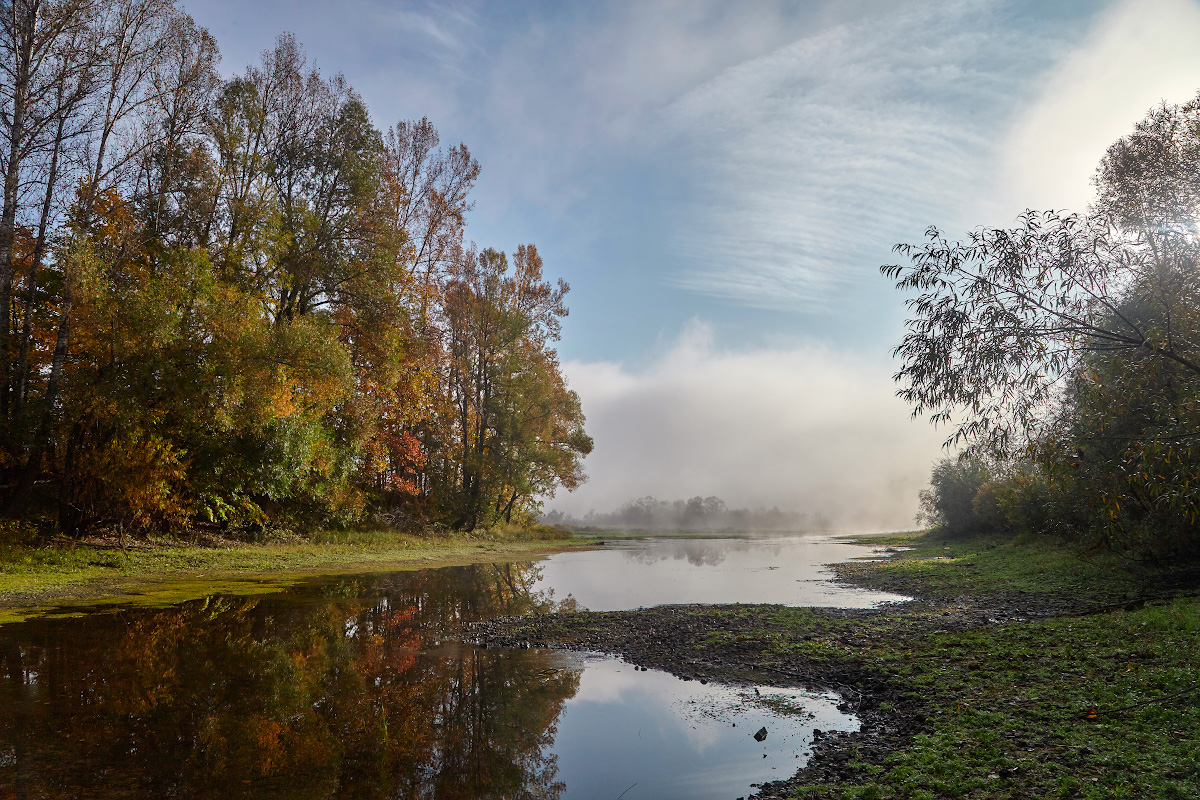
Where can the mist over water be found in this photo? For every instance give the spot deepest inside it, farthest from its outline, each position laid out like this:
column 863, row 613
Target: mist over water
column 805, row 428
column 694, row 514
column 790, row 570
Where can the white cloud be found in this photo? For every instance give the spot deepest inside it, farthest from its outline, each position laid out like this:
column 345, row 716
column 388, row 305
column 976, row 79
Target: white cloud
column 1139, row 53
column 806, row 428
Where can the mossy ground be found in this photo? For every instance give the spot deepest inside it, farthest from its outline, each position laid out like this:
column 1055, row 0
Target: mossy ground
column 71, row 577
column 1103, row 706
column 1099, row 702
column 936, row 567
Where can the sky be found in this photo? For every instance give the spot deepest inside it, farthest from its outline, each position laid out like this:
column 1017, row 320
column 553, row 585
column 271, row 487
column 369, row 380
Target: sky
column 720, row 182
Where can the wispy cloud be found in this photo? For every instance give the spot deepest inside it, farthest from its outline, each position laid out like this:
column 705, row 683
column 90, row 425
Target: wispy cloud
column 804, row 427
column 423, row 26
column 438, row 39
column 568, row 95
column 812, row 159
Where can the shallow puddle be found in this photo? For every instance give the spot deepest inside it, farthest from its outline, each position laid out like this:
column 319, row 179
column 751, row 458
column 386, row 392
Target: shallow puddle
column 648, row 734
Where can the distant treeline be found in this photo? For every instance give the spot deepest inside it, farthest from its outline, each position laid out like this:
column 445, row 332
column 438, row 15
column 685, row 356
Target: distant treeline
column 234, row 302
column 697, row 513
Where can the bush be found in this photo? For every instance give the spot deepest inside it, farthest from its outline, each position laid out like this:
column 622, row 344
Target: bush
column 949, row 502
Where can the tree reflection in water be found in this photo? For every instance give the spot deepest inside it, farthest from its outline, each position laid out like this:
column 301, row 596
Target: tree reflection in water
column 351, row 689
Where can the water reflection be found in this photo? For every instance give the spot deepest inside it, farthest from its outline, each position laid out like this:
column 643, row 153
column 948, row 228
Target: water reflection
column 770, row 569
column 349, row 691
column 697, row 552
column 677, row 740
column 363, row 688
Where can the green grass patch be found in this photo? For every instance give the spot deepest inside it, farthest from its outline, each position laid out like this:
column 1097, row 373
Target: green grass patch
column 1101, row 705
column 1088, row 707
column 936, row 567
column 64, row 579
column 894, row 539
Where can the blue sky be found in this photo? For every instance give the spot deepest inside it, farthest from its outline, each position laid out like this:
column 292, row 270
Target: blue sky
column 719, row 183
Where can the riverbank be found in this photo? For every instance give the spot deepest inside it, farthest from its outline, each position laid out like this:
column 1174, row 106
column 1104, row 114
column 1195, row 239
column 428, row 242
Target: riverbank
column 67, row 577
column 1019, row 671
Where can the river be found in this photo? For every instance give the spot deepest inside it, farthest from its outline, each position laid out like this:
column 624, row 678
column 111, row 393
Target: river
column 363, row 687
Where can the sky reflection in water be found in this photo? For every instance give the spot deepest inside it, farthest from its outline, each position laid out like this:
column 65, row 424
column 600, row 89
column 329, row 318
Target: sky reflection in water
column 652, row 735
column 663, row 571
column 362, row 687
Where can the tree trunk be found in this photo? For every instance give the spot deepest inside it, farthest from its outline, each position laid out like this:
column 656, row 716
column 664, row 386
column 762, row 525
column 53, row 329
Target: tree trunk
column 39, row 253
column 508, row 509
column 24, row 26
column 33, row 464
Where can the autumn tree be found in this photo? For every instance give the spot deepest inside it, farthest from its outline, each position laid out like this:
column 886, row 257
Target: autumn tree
column 237, row 304
column 49, row 60
column 394, row 337
column 518, row 429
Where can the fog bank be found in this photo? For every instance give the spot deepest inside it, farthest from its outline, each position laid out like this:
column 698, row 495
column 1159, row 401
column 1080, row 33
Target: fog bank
column 696, row 513
column 803, row 427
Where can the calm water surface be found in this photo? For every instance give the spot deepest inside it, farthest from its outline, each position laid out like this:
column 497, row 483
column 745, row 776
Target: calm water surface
column 663, row 571
column 362, row 687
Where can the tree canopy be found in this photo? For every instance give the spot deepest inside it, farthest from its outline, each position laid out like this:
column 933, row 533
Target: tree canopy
column 234, row 302
column 1073, row 341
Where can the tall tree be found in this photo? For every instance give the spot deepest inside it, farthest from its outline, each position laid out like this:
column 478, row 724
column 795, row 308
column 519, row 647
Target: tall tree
column 132, row 41
column 518, row 429
column 1075, row 339
column 46, row 58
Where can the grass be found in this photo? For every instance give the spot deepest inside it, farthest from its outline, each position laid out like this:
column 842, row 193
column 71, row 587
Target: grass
column 1100, row 705
column 1103, row 706
column 68, row 578
column 943, row 568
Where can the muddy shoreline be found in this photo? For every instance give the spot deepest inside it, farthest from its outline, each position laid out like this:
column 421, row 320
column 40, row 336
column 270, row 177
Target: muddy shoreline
column 813, row 648
column 668, row 638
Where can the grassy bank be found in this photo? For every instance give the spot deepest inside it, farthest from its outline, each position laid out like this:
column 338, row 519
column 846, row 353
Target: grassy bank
column 1025, row 671
column 70, row 577
column 1095, row 700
